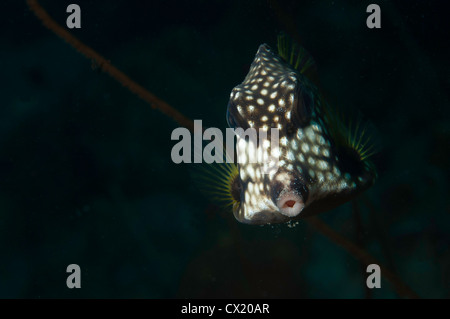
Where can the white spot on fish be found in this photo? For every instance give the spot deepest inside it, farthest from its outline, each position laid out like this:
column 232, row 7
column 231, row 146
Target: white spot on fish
column 321, row 140
column 291, row 98
column 290, row 156
column 322, row 165
column 320, row 177
column 294, row 145
column 305, row 148
column 315, row 149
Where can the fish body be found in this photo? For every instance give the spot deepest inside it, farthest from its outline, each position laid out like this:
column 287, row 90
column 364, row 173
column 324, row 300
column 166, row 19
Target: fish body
column 321, row 164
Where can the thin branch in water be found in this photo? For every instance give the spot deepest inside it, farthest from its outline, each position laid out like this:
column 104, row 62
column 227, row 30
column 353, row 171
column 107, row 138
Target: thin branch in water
column 364, row 257
column 359, row 232
column 108, row 68
column 374, row 219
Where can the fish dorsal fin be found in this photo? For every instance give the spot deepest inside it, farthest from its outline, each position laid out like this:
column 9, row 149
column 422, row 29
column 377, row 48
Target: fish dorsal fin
column 294, row 54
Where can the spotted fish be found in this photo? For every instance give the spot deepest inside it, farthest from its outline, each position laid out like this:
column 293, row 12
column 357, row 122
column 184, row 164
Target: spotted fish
column 322, row 162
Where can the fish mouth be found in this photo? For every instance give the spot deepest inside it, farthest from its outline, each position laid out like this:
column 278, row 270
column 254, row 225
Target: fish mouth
column 290, row 204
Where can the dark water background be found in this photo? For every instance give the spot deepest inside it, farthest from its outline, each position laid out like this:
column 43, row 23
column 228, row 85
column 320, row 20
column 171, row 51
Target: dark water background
column 86, row 175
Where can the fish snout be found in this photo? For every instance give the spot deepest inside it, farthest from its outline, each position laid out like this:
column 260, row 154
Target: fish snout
column 289, row 193
column 290, row 203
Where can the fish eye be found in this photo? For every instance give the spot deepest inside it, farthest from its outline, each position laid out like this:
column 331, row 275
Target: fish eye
column 234, row 118
column 230, row 119
column 302, row 108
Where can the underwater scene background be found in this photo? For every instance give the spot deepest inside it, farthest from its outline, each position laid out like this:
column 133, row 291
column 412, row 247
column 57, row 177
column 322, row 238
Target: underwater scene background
column 86, row 175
